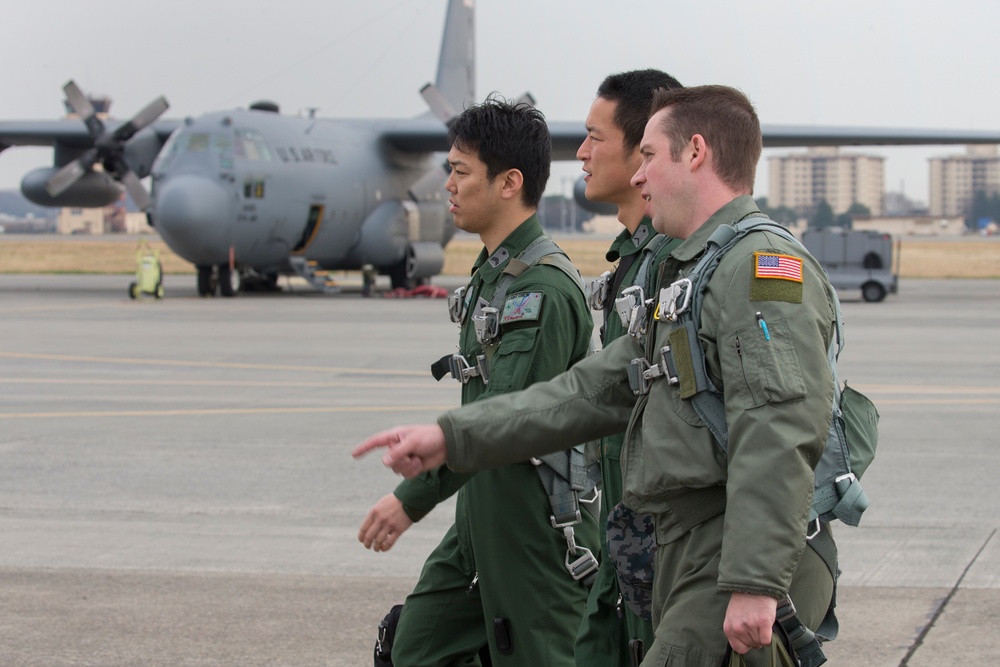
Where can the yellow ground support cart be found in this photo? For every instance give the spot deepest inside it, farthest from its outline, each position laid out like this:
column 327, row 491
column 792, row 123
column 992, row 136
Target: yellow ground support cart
column 148, row 272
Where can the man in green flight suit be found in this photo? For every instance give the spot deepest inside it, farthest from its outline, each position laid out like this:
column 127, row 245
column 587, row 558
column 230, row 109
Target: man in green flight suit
column 500, row 575
column 612, row 634
column 730, row 528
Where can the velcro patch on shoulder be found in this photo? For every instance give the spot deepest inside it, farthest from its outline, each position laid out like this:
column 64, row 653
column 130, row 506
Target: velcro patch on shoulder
column 776, row 277
column 772, row 265
column 523, row 307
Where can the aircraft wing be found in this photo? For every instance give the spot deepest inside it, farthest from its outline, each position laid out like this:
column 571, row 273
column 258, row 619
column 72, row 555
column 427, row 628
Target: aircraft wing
column 426, row 134
column 67, row 132
column 781, row 136
column 567, row 136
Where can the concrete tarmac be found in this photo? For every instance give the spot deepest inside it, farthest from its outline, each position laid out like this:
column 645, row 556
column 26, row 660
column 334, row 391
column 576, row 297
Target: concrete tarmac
column 176, row 486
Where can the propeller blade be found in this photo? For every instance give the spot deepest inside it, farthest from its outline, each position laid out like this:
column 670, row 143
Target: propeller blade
column 78, row 102
column 430, row 185
column 58, row 182
column 80, row 105
column 136, row 190
column 438, row 103
column 147, row 115
column 526, row 98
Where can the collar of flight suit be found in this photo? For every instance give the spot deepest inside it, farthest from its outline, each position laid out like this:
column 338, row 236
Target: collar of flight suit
column 734, row 211
column 626, row 243
column 491, row 266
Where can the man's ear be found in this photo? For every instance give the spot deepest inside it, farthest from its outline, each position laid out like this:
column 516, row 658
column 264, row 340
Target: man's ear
column 513, row 181
column 697, row 151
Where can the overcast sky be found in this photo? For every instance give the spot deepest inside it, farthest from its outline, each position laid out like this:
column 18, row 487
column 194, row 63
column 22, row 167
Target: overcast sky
column 847, row 62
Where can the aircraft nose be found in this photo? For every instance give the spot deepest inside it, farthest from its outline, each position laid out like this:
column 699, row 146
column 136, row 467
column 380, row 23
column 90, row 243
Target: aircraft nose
column 193, row 215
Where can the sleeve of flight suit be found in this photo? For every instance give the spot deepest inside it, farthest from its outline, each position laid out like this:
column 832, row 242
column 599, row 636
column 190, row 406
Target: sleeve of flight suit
column 778, row 395
column 590, row 400
column 529, row 352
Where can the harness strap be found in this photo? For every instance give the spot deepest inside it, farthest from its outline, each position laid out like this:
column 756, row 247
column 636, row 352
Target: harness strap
column 565, row 476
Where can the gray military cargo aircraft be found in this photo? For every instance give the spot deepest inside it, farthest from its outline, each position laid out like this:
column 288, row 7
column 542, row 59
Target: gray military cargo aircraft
column 248, row 194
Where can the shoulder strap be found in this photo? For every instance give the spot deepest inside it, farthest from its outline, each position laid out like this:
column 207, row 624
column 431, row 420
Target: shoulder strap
column 567, row 478
column 543, row 250
column 648, row 255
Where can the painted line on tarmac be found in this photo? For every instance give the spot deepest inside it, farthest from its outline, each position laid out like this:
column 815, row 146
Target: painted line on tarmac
column 225, row 411
column 51, row 307
column 421, row 386
column 961, row 402
column 936, row 390
column 209, row 364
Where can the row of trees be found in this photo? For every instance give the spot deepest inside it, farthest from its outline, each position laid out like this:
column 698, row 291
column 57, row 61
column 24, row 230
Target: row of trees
column 822, row 215
column 984, row 207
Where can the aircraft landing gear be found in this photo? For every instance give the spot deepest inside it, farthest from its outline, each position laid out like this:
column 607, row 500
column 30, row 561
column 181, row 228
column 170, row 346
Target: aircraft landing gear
column 218, row 277
column 229, row 280
column 206, row 281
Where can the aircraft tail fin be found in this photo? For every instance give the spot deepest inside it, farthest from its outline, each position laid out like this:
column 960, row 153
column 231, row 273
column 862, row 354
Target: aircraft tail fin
column 456, row 75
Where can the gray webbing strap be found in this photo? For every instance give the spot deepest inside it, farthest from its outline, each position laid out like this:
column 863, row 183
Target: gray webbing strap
column 649, row 254
column 565, row 475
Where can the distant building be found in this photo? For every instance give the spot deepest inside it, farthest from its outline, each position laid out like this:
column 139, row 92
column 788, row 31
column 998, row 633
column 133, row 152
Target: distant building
column 954, row 180
column 912, row 225
column 112, row 219
column 80, row 221
column 800, row 181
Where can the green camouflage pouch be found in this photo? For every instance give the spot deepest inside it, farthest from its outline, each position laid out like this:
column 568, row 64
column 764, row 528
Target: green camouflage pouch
column 632, row 549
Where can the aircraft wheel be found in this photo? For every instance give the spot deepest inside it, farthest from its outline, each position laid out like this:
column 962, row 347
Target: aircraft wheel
column 206, row 281
column 872, row 292
column 133, row 291
column 229, row 280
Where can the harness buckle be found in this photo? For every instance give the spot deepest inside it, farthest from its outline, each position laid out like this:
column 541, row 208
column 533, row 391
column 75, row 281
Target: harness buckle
column 632, row 310
column 665, row 366
column 567, row 525
column 461, row 369
column 456, row 304
column 675, row 299
column 637, row 378
column 813, row 528
column 598, row 295
column 487, row 325
column 583, row 566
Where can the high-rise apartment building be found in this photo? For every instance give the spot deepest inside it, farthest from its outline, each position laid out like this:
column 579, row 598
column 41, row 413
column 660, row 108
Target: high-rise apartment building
column 956, row 179
column 800, row 181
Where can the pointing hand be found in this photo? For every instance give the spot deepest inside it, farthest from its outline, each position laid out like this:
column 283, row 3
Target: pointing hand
column 410, row 450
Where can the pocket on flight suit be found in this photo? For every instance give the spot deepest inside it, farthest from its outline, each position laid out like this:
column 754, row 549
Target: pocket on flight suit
column 512, row 360
column 770, row 369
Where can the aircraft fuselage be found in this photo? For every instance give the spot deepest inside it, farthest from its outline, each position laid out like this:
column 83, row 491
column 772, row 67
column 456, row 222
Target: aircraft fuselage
column 260, row 187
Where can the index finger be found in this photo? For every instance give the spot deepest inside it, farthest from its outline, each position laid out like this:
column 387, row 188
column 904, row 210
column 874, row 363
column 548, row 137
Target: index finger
column 383, row 439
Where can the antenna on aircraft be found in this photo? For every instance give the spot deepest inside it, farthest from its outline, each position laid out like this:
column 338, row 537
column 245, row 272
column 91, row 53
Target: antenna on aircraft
column 108, row 149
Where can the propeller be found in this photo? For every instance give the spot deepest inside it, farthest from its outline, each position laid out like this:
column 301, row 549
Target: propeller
column 108, row 149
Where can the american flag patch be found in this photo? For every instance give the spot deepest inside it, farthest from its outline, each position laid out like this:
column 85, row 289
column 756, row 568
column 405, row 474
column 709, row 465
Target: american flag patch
column 783, row 267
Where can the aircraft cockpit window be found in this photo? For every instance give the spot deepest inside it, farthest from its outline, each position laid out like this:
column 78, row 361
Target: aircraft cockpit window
column 250, row 146
column 221, row 143
column 197, row 142
column 169, row 149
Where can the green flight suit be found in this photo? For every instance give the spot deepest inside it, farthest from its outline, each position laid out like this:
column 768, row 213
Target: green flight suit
column 610, row 623
column 502, row 530
column 723, row 524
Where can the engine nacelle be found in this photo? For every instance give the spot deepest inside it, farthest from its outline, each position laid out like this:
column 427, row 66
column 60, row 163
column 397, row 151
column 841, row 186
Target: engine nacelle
column 398, row 230
column 384, row 235
column 598, row 207
column 141, row 151
column 424, row 260
column 93, row 190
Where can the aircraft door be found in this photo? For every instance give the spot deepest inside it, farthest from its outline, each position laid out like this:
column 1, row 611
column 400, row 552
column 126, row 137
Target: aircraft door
column 311, row 229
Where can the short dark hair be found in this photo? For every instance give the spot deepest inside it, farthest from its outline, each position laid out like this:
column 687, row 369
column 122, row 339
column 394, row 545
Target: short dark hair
column 506, row 135
column 725, row 117
column 633, row 92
